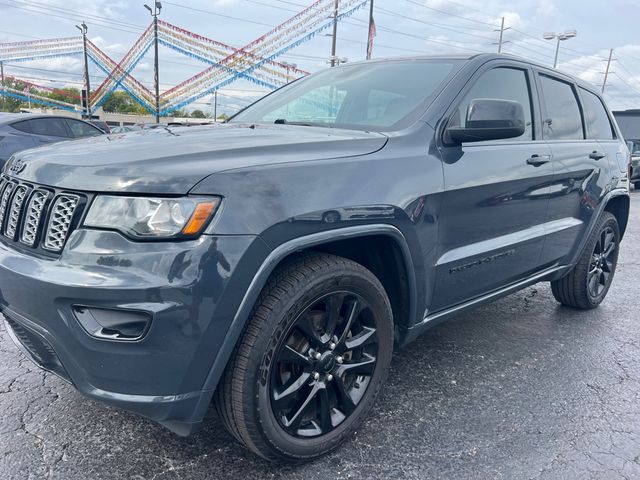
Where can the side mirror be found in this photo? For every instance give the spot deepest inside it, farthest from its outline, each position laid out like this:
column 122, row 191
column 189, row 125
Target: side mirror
column 489, row 119
column 630, row 146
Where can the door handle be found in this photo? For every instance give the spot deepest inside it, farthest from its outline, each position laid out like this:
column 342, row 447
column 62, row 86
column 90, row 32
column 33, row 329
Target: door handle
column 537, row 160
column 595, row 155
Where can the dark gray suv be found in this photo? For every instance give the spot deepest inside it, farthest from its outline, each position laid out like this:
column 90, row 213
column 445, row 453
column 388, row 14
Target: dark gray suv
column 272, row 264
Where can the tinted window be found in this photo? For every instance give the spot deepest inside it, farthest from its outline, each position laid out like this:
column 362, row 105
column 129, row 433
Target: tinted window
column 563, row 119
column 53, row 127
column 23, row 126
column 502, row 84
column 81, row 129
column 366, row 96
column 595, row 116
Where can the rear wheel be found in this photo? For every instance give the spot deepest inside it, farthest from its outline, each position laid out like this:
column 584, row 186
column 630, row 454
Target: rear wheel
column 311, row 362
column 636, row 185
column 587, row 284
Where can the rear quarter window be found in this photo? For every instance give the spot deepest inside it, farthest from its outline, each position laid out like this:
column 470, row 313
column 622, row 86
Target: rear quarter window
column 596, row 118
column 22, row 126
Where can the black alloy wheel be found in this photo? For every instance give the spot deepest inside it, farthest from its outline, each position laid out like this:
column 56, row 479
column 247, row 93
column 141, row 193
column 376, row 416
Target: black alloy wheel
column 586, row 285
column 602, row 262
column 324, row 366
column 311, row 361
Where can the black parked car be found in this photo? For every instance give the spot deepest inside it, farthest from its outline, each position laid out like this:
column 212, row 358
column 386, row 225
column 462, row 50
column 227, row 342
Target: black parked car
column 20, row 131
column 273, row 263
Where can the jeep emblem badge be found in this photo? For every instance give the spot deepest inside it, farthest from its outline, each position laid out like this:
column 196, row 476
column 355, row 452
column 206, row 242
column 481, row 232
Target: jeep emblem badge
column 17, row 166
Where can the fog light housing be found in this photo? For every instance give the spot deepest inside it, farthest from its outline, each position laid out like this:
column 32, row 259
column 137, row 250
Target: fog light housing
column 113, row 324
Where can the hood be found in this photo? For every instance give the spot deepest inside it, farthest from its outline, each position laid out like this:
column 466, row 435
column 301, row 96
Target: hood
column 173, row 160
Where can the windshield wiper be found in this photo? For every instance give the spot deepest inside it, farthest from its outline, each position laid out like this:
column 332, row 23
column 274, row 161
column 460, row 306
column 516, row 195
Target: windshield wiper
column 284, row 121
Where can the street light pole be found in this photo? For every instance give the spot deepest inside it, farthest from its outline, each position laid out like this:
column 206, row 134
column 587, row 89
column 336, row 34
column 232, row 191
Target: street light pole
column 157, row 6
column 2, row 83
column 560, row 37
column 87, row 107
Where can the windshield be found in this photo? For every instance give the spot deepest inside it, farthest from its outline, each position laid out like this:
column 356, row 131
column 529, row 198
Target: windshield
column 368, row 96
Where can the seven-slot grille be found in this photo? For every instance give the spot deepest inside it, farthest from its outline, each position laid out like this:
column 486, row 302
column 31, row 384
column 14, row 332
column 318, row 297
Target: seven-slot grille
column 34, row 215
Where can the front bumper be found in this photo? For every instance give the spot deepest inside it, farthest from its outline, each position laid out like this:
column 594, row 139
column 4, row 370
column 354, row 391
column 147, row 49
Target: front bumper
column 190, row 290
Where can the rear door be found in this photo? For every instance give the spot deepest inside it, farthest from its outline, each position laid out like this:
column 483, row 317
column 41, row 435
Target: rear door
column 491, row 226
column 580, row 163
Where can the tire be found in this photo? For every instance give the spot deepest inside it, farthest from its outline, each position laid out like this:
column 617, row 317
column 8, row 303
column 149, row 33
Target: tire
column 291, row 344
column 575, row 290
column 636, row 185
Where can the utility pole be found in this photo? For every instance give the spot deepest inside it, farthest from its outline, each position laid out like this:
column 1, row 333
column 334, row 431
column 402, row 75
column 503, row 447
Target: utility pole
column 215, row 106
column 501, row 41
column 371, row 31
column 335, row 33
column 2, row 83
column 157, row 6
column 87, row 107
column 606, row 72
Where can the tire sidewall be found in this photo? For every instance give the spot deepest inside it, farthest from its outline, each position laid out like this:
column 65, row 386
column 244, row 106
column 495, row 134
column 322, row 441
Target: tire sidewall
column 291, row 447
column 608, row 221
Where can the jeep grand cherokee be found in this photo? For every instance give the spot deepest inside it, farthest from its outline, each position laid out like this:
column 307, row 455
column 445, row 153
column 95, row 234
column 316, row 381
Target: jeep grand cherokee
column 164, row 270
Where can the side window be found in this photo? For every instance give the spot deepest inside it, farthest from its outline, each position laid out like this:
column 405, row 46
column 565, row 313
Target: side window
column 81, row 129
column 53, row 127
column 563, row 118
column 502, row 84
column 23, row 126
column 595, row 116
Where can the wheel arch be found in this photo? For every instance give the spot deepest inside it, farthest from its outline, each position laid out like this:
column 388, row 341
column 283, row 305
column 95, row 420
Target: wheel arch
column 619, row 206
column 330, row 241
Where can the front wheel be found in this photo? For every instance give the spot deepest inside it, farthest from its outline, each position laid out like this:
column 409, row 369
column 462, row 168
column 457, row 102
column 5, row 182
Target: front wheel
column 588, row 283
column 311, row 362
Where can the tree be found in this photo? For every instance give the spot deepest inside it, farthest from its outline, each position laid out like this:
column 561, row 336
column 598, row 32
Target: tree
column 198, row 114
column 9, row 103
column 68, row 95
column 222, row 117
column 121, row 102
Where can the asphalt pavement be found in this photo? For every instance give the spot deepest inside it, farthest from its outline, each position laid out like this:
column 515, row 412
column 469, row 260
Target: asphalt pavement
column 519, row 389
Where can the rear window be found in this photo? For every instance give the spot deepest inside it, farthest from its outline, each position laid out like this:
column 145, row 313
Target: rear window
column 51, row 127
column 23, row 126
column 595, row 116
column 563, row 120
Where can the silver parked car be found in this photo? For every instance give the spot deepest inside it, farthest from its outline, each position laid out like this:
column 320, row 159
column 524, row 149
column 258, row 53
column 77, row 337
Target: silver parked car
column 19, row 131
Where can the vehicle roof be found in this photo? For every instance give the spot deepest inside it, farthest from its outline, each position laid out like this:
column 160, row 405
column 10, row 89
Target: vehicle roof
column 481, row 58
column 6, row 118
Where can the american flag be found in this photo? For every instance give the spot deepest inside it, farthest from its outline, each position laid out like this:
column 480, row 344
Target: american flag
column 372, row 34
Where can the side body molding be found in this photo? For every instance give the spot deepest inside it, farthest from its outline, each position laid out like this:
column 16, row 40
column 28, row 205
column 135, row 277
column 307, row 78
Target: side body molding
column 271, row 262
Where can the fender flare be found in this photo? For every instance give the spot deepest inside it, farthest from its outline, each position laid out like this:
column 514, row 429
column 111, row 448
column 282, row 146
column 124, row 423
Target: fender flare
column 594, row 219
column 261, row 277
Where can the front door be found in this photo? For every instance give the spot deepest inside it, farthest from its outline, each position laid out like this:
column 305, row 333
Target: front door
column 494, row 209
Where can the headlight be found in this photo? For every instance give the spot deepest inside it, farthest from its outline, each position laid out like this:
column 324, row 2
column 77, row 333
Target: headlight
column 152, row 217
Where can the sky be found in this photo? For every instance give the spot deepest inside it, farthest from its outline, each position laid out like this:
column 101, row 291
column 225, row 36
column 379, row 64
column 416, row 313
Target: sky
column 404, row 27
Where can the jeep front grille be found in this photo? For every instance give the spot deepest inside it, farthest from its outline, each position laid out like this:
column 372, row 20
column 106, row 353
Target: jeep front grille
column 33, row 216
column 14, row 212
column 60, row 221
column 36, row 216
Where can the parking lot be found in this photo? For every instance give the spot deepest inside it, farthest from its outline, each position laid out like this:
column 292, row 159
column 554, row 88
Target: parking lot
column 521, row 388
